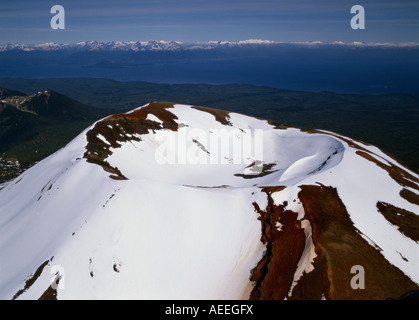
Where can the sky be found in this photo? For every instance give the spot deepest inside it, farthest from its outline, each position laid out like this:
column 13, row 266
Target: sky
column 28, row 21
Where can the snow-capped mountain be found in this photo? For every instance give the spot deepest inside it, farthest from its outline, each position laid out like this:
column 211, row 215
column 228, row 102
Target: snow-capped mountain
column 173, row 201
column 151, row 45
column 162, row 45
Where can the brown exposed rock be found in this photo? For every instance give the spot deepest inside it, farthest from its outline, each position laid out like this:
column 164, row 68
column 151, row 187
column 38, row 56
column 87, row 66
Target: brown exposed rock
column 51, row 292
column 339, row 246
column 410, row 196
column 407, row 222
column 278, row 125
column 221, row 116
column 265, row 169
column 31, row 279
column 314, row 285
column 159, row 109
column 120, row 128
column 399, row 175
column 275, row 271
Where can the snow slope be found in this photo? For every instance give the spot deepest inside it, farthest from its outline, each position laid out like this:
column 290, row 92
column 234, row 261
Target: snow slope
column 135, row 209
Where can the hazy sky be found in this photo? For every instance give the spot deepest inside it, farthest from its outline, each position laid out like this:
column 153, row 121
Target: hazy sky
column 28, row 21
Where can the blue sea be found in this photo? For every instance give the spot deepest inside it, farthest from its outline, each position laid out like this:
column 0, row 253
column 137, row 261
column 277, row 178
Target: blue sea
column 342, row 69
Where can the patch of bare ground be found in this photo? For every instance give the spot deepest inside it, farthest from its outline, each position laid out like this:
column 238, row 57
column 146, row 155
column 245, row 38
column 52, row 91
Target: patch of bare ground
column 278, row 125
column 221, row 116
column 51, row 292
column 401, row 176
column 410, row 196
column 32, row 278
column 116, row 129
column 265, row 169
column 407, row 222
column 207, row 187
column 339, row 246
column 273, row 275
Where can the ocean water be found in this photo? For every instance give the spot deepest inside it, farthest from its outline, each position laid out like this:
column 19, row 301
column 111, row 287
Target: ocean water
column 342, row 69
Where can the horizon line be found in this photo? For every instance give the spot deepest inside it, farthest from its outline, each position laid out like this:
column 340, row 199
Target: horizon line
column 214, row 42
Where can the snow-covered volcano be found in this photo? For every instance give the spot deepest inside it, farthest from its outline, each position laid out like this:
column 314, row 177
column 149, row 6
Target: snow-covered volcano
column 173, row 201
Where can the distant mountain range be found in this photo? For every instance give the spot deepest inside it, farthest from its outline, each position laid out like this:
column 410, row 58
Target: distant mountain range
column 153, row 45
column 372, row 68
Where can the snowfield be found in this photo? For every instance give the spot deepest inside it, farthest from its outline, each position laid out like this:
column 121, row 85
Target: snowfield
column 187, row 228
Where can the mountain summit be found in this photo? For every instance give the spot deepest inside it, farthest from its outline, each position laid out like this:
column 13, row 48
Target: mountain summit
column 50, row 103
column 173, row 201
